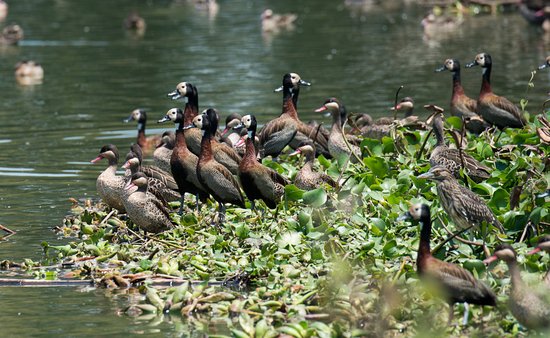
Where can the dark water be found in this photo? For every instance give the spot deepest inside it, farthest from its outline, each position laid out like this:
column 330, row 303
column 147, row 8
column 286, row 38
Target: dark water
column 96, row 73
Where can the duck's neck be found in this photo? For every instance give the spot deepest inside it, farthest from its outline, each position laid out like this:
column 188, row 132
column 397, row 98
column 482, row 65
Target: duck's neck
column 517, row 282
column 457, row 84
column 250, row 152
column 206, row 147
column 191, row 108
column 295, row 94
column 180, row 139
column 336, row 121
column 438, row 131
column 486, row 81
column 289, row 106
column 424, row 246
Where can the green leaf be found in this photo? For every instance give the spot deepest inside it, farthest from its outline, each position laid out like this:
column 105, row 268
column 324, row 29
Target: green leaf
column 315, row 198
column 455, row 121
column 293, row 193
column 377, row 165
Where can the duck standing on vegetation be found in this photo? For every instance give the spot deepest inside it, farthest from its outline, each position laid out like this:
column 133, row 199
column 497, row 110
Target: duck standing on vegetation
column 455, row 159
column 147, row 144
column 544, row 245
column 257, row 180
column 338, row 146
column 215, row 177
column 11, row 35
column 145, row 209
column 154, row 172
column 462, row 105
column 464, row 207
column 494, row 109
column 456, row 284
column 192, row 136
column 307, row 178
column 529, row 308
column 163, row 153
column 183, row 163
column 28, row 72
column 110, row 186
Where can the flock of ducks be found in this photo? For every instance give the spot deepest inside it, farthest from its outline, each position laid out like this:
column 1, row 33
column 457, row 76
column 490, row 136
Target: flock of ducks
column 200, row 160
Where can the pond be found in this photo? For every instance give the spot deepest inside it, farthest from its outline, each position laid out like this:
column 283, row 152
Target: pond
column 96, row 73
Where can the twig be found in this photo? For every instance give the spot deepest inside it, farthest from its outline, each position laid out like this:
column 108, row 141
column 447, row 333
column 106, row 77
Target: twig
column 460, row 239
column 395, row 102
column 9, row 231
column 421, row 150
column 527, row 226
column 107, row 217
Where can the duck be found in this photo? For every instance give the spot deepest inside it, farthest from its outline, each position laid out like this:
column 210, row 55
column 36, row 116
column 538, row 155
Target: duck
column 144, row 208
column 156, row 187
column 528, row 308
column 337, row 145
column 496, row 110
column 452, row 158
column 215, row 177
column 29, row 72
column 543, row 245
column 134, row 22
column 223, row 153
column 465, row 208
column 307, row 178
column 183, row 162
column 110, row 186
column 273, row 23
column 11, row 35
column 457, row 285
column 151, row 171
column 192, row 136
column 287, row 129
column 149, row 143
column 462, row 105
column 163, row 153
column 257, row 180
column 230, row 135
column 439, row 27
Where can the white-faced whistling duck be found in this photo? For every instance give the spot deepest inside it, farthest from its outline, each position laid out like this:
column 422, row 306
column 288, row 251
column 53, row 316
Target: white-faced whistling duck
column 529, row 308
column 257, row 180
column 307, row 178
column 543, row 245
column 452, row 158
column 11, row 35
column 192, row 136
column 147, row 143
column 337, row 145
column 465, row 208
column 144, row 208
column 462, row 105
column 457, row 285
column 215, row 177
column 183, row 163
column 163, row 153
column 110, row 186
column 273, row 23
column 28, row 72
column 156, row 187
column 496, row 110
column 546, row 63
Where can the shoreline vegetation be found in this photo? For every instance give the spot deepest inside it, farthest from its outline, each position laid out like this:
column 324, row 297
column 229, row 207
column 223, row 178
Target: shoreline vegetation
column 328, row 262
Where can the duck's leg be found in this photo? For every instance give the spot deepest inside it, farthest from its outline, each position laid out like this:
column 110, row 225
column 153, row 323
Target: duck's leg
column 180, row 212
column 451, row 314
column 466, row 313
column 252, row 205
column 221, row 213
column 198, row 203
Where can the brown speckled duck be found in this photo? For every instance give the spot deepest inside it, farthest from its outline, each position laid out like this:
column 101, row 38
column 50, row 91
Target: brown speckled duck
column 337, row 146
column 144, row 208
column 257, row 180
column 152, row 171
column 464, row 207
column 457, row 285
column 462, row 105
column 192, row 136
column 183, row 163
column 147, row 143
column 215, row 177
column 110, row 186
column 163, row 153
column 495, row 109
column 451, row 157
column 307, row 178
column 529, row 308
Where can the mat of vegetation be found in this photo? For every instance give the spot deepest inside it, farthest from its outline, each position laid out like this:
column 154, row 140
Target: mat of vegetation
column 328, row 262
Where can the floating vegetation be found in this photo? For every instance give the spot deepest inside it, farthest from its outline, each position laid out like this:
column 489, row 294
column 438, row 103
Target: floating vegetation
column 327, row 262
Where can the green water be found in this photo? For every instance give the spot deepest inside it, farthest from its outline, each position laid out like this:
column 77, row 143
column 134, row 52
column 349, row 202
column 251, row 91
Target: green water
column 96, row 73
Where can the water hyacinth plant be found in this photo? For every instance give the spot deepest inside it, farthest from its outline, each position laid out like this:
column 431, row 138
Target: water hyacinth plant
column 327, row 262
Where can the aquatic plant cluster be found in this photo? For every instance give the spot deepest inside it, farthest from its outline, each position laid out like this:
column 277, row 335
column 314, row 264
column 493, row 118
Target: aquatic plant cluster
column 327, row 262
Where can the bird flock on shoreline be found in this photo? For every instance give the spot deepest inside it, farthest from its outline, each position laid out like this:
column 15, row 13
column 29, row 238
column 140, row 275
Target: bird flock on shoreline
column 203, row 161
